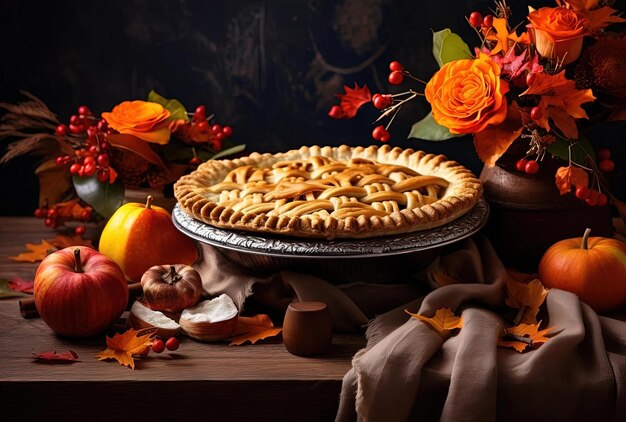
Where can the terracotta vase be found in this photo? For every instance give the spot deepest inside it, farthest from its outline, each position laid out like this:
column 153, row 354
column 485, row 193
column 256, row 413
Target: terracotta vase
column 528, row 214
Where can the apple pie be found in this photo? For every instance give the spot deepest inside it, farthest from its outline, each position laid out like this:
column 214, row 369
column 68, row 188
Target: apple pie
column 330, row 192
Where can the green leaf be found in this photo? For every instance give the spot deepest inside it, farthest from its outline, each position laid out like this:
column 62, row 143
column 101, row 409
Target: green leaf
column 105, row 198
column 429, row 130
column 438, row 38
column 454, row 48
column 448, row 46
column 229, row 151
column 580, row 150
column 175, row 107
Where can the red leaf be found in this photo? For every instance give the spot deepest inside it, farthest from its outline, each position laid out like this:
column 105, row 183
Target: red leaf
column 20, row 285
column 65, row 357
column 353, row 99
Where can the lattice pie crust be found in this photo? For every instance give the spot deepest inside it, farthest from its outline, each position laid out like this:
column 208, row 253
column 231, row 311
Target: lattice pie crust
column 330, row 192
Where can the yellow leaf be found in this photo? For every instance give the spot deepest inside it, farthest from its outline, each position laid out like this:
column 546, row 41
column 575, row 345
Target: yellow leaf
column 443, row 322
column 36, row 252
column 523, row 336
column 500, row 35
column 122, row 347
column 492, row 143
column 253, row 329
column 569, row 176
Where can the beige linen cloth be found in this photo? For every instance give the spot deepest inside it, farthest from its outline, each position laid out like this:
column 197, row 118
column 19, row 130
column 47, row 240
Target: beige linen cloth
column 408, row 372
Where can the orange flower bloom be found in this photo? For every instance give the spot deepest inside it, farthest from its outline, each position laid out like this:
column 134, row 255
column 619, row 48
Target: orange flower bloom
column 558, row 32
column 467, row 95
column 145, row 120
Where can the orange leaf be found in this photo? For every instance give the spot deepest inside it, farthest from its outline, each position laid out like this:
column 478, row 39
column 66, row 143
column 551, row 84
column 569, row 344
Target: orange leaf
column 569, row 176
column 500, row 35
column 36, row 253
column 603, row 17
column 492, row 142
column 559, row 99
column 63, row 241
column 353, row 99
column 122, row 347
column 523, row 336
column 443, row 322
column 136, row 145
column 253, row 329
column 54, row 182
column 527, row 297
column 70, row 209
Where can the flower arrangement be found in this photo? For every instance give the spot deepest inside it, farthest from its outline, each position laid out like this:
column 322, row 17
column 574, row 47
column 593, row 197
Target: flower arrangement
column 90, row 162
column 534, row 85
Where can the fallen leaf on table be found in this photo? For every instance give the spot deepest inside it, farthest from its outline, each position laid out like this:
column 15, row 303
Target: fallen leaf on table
column 65, row 357
column 527, row 297
column 63, row 241
column 6, row 291
column 122, row 347
column 20, row 285
column 253, row 329
column 443, row 322
column 36, row 252
column 522, row 336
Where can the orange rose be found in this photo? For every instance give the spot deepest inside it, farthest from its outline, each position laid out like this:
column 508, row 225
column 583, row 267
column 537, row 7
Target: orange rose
column 467, row 95
column 145, row 120
column 558, row 32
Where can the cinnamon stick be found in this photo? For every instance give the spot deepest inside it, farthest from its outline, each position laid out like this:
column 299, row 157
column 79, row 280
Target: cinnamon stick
column 28, row 309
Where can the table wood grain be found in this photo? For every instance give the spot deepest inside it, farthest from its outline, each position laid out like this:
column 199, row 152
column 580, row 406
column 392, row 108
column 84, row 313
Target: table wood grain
column 200, row 380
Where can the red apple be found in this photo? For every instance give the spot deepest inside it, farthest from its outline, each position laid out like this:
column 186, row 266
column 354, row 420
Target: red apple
column 79, row 292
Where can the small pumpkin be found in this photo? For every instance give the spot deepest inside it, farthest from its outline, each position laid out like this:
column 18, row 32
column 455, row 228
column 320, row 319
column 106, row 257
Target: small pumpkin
column 594, row 268
column 171, row 288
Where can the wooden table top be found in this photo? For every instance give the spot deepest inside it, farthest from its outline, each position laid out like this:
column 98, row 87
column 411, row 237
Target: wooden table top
column 210, row 381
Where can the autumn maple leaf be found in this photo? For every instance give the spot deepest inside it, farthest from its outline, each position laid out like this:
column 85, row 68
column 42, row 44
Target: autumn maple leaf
column 253, row 329
column 527, row 297
column 36, row 252
column 560, row 101
column 569, row 176
column 523, row 336
column 122, row 347
column 54, row 357
column 599, row 17
column 443, row 321
column 353, row 99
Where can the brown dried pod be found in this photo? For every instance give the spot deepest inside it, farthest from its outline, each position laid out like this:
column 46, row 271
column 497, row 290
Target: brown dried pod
column 171, row 288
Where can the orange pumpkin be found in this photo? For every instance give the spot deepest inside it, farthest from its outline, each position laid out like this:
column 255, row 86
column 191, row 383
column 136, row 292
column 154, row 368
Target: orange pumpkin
column 594, row 268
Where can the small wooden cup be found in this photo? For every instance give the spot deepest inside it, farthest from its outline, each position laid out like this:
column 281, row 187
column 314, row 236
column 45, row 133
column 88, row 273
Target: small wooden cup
column 307, row 328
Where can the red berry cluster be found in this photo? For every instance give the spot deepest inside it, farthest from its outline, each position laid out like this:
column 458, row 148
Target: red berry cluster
column 605, row 164
column 477, row 21
column 527, row 166
column 158, row 345
column 591, row 196
column 396, row 74
column 381, row 134
column 52, row 217
column 91, row 156
column 200, row 127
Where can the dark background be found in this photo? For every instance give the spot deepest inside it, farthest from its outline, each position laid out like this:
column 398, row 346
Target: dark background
column 270, row 69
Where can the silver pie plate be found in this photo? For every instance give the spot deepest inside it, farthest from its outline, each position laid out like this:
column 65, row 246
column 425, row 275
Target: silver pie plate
column 389, row 257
